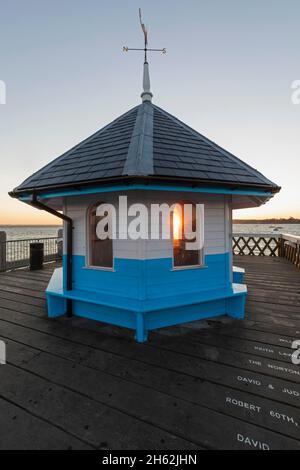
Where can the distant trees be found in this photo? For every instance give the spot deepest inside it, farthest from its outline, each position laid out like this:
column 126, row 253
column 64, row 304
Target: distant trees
column 290, row 220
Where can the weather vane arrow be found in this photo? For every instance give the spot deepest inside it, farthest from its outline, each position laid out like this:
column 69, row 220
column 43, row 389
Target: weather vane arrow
column 145, row 49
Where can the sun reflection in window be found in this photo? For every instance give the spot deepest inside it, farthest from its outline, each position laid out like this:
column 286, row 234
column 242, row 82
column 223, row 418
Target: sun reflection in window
column 177, row 224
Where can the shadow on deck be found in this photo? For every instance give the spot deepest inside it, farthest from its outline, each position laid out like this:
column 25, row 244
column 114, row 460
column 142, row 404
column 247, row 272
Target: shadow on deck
column 218, row 384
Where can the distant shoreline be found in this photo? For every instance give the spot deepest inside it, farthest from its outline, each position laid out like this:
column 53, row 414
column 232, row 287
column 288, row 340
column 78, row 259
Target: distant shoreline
column 267, row 221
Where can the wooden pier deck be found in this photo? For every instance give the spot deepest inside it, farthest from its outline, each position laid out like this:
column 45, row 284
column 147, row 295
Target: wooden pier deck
column 222, row 384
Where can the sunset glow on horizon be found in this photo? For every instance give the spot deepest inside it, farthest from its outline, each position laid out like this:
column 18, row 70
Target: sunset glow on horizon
column 228, row 75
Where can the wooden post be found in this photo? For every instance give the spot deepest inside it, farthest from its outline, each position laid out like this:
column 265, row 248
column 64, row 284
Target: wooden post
column 60, row 234
column 2, row 251
column 298, row 256
column 281, row 246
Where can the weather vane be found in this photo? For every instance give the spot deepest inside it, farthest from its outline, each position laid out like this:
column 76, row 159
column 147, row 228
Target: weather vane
column 146, row 49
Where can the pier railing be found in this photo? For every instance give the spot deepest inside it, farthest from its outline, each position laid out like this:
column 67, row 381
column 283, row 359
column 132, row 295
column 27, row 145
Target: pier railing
column 15, row 254
column 268, row 244
column 255, row 244
column 289, row 248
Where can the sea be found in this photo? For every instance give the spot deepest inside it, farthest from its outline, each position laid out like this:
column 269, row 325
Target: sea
column 27, row 232
column 292, row 229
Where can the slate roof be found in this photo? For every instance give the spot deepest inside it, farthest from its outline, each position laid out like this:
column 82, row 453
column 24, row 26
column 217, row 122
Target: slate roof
column 145, row 142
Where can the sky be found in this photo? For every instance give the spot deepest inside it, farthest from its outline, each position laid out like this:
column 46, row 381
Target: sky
column 228, row 73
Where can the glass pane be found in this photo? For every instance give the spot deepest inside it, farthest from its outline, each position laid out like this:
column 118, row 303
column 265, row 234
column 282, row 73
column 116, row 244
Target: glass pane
column 182, row 256
column 101, row 251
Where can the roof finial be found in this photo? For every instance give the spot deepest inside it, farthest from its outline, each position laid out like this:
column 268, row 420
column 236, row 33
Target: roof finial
column 146, row 94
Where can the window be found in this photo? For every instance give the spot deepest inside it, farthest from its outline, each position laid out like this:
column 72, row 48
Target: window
column 185, row 228
column 100, row 250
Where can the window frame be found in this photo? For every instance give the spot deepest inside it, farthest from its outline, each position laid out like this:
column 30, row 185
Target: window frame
column 88, row 264
column 201, row 252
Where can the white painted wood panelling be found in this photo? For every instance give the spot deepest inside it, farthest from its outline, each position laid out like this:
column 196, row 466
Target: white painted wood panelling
column 217, row 222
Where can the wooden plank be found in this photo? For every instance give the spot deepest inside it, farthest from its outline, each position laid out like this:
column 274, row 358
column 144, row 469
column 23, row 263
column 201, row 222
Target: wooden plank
column 268, row 324
column 236, row 328
column 255, row 348
column 111, row 355
column 25, row 283
column 8, row 287
column 156, row 407
column 23, row 299
column 22, row 307
column 237, row 376
column 272, row 310
column 42, row 275
column 21, row 430
column 100, row 426
column 243, row 361
column 235, row 343
column 260, row 315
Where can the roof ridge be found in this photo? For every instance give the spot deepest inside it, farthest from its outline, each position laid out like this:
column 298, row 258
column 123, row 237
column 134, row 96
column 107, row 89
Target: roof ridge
column 75, row 147
column 254, row 171
column 139, row 160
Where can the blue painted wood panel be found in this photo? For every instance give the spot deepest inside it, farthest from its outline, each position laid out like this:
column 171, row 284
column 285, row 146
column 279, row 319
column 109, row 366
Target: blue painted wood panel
column 150, row 279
